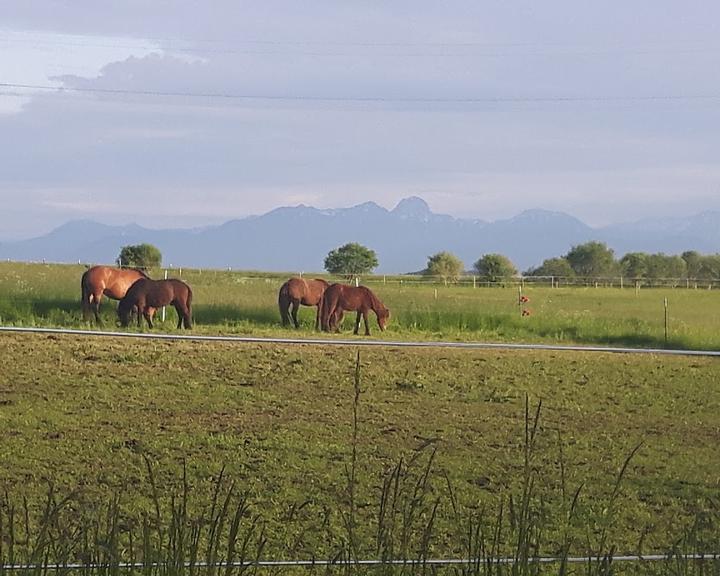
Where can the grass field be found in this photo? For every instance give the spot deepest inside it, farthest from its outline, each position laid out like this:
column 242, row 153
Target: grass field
column 228, row 302
column 440, row 446
column 81, row 413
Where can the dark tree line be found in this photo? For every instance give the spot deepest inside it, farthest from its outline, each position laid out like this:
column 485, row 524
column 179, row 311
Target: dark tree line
column 596, row 260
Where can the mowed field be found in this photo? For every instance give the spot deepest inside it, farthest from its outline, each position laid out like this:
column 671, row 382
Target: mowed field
column 87, row 414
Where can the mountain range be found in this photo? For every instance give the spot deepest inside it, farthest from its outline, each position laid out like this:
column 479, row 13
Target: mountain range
column 296, row 239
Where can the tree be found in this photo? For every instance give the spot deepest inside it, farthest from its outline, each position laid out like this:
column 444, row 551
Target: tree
column 592, row 259
column 710, row 267
column 558, row 267
column 446, row 265
column 495, row 267
column 693, row 260
column 664, row 266
column 351, row 259
column 139, row 256
column 634, row 265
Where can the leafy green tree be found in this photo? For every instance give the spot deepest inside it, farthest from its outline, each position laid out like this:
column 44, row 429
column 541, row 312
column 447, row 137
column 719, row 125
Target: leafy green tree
column 351, row 259
column 558, row 267
column 495, row 267
column 446, row 265
column 693, row 260
column 664, row 266
column 709, row 267
column 139, row 256
column 592, row 259
column 634, row 265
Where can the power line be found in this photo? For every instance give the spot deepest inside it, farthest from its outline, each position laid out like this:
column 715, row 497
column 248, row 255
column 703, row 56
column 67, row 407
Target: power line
column 204, row 45
column 363, row 99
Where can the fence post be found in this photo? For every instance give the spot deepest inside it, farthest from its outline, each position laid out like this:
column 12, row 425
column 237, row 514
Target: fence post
column 666, row 321
column 520, row 298
column 473, row 281
column 163, row 308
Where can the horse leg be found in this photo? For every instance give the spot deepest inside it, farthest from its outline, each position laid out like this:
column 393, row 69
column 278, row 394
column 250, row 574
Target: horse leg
column 324, row 315
column 332, row 320
column 317, row 316
column 96, row 307
column 183, row 316
column 367, row 327
column 148, row 312
column 357, row 322
column 294, row 312
column 338, row 318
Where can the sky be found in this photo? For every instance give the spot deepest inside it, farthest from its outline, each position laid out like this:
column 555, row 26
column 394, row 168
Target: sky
column 185, row 114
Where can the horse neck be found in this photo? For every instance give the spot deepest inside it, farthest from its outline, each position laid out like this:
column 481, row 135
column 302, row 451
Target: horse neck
column 375, row 303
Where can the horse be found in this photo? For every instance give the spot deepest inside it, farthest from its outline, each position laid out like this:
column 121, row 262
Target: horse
column 99, row 281
column 298, row 291
column 341, row 297
column 147, row 295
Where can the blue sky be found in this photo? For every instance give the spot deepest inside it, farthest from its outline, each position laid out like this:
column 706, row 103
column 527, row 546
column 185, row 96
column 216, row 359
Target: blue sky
column 192, row 113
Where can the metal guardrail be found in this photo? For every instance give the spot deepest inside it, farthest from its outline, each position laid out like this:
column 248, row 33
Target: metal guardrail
column 364, row 342
column 344, row 563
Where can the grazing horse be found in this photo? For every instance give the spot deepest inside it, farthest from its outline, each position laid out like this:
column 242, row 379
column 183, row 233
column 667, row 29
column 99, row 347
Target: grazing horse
column 341, row 297
column 147, row 295
column 100, row 281
column 298, row 291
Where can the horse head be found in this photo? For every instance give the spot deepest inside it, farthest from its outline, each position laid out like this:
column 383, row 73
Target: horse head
column 124, row 312
column 383, row 315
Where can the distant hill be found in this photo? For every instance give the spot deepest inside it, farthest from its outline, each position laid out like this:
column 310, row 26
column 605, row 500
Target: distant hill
column 298, row 238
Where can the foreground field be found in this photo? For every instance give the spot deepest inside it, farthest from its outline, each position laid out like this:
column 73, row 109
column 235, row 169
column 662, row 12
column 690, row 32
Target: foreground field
column 84, row 413
column 228, row 302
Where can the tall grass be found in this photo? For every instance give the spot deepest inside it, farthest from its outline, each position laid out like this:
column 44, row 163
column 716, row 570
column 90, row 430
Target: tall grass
column 242, row 302
column 223, row 533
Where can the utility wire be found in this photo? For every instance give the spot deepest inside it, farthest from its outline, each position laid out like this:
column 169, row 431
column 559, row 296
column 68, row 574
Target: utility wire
column 362, row 99
column 200, row 45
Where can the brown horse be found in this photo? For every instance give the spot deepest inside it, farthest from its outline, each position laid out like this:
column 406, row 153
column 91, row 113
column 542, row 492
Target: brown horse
column 147, row 295
column 298, row 291
column 100, row 281
column 341, row 297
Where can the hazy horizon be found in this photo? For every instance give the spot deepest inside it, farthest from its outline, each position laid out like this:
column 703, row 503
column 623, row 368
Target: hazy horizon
column 388, row 207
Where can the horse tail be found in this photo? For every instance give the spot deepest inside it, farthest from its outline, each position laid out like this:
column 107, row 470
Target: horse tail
column 325, row 310
column 284, row 304
column 85, row 295
column 188, row 304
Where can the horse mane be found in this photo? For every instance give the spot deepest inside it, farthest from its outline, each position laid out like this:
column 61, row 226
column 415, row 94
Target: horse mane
column 375, row 301
column 141, row 272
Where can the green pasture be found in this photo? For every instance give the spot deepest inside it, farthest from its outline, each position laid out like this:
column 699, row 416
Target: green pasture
column 233, row 302
column 439, row 446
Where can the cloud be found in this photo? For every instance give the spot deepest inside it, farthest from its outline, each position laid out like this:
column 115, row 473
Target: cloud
column 112, row 156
